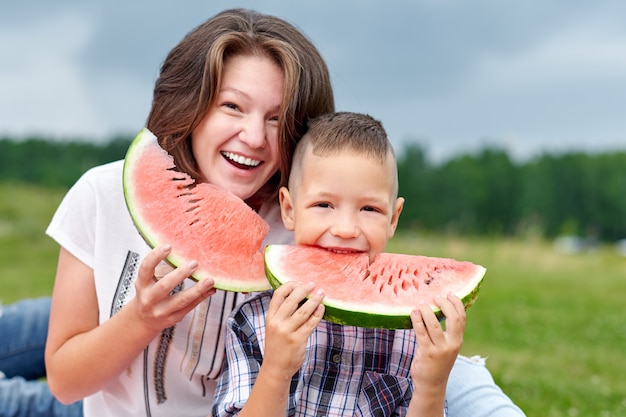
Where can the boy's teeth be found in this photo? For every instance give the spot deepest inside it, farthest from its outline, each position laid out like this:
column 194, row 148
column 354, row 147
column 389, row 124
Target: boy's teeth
column 241, row 160
column 342, row 251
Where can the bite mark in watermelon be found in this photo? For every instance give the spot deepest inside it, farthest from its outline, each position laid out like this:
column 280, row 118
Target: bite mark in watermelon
column 200, row 221
column 381, row 294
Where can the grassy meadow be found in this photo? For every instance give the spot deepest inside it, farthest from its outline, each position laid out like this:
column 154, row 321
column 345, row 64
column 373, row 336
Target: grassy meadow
column 552, row 325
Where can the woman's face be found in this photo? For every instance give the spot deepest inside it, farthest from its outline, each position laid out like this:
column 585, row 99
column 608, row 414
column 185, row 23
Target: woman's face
column 236, row 143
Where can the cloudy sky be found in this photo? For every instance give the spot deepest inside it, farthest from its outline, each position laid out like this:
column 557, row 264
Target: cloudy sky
column 532, row 76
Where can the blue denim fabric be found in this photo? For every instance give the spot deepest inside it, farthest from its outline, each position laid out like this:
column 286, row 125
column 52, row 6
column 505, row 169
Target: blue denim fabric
column 472, row 392
column 23, row 332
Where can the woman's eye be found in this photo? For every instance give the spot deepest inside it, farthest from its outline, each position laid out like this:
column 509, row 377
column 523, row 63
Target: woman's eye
column 231, row 106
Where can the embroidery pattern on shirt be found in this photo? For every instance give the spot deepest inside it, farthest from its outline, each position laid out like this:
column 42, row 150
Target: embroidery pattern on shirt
column 125, row 283
column 160, row 358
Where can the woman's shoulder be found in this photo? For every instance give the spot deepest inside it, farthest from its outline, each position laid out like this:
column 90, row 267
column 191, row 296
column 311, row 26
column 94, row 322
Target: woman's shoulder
column 109, row 170
column 101, row 179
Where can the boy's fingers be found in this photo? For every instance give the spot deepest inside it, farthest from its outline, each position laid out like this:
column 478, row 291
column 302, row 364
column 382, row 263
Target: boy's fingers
column 307, row 309
column 456, row 302
column 279, row 296
column 418, row 325
column 452, row 307
column 421, row 326
column 287, row 298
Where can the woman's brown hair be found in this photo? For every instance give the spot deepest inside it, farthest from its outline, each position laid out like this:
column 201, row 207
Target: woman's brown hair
column 191, row 74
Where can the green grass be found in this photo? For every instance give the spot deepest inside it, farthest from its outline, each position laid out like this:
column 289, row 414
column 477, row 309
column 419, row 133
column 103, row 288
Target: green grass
column 27, row 255
column 553, row 326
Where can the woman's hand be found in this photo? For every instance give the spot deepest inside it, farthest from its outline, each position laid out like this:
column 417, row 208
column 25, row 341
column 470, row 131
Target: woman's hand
column 156, row 303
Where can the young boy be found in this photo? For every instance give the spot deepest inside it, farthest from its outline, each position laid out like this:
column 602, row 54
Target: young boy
column 282, row 358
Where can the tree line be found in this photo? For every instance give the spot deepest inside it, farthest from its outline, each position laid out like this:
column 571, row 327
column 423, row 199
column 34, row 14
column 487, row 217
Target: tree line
column 573, row 193
column 482, row 193
column 55, row 163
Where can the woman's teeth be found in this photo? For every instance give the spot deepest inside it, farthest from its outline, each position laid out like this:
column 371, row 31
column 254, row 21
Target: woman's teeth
column 241, row 160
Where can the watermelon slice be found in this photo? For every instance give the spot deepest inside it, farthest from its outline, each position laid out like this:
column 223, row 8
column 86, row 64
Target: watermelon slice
column 381, row 294
column 200, row 221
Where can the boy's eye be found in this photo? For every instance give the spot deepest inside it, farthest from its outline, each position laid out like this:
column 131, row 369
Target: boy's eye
column 370, row 208
column 322, row 205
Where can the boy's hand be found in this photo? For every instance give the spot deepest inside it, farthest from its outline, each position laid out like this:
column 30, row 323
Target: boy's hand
column 437, row 349
column 289, row 326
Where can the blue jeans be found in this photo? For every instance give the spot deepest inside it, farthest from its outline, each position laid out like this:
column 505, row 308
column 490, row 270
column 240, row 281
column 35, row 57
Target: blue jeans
column 23, row 332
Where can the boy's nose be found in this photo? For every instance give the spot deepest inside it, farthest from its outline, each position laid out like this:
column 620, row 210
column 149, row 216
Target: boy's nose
column 345, row 230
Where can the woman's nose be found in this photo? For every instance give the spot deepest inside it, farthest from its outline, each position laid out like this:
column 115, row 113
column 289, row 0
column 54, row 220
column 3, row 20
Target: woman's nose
column 253, row 132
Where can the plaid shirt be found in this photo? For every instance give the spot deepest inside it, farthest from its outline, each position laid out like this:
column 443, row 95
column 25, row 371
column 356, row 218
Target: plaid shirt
column 347, row 371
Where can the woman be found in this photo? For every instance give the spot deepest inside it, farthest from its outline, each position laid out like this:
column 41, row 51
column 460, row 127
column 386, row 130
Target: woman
column 231, row 101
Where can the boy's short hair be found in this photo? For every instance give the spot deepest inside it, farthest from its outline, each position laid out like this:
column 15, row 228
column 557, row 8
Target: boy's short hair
column 335, row 132
column 358, row 133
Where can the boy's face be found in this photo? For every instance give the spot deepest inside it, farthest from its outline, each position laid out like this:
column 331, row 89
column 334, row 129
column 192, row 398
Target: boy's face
column 342, row 202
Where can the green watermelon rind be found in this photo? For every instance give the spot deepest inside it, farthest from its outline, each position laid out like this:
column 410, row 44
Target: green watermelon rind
column 145, row 138
column 365, row 315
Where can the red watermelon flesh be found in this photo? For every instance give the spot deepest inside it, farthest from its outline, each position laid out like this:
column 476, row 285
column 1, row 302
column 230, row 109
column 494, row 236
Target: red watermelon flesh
column 380, row 294
column 200, row 221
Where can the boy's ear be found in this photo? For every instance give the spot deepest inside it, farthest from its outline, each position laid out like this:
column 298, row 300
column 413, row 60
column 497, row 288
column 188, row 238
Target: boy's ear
column 286, row 208
column 395, row 216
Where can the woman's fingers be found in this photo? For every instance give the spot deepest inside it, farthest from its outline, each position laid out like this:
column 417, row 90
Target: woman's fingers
column 156, row 287
column 145, row 273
